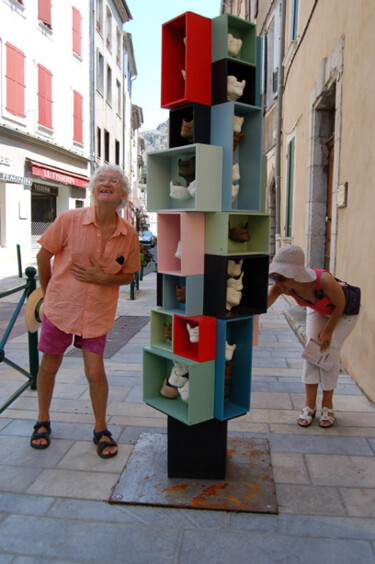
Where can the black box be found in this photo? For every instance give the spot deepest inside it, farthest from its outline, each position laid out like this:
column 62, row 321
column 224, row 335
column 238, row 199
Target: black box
column 242, row 71
column 201, row 116
column 255, row 285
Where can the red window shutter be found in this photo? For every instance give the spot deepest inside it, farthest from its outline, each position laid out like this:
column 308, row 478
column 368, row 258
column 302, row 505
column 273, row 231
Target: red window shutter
column 77, row 117
column 44, row 12
column 15, row 75
column 77, row 38
column 44, row 96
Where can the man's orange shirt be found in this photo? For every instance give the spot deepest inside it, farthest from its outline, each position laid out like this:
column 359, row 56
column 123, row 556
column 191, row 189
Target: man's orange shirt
column 83, row 308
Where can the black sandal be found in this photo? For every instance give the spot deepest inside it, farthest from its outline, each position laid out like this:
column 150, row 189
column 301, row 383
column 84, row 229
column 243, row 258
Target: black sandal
column 104, row 444
column 43, row 435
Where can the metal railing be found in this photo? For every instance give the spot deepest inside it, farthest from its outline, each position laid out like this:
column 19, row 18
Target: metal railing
column 26, row 288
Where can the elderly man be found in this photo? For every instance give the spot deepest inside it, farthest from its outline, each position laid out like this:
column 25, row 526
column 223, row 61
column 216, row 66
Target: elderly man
column 95, row 251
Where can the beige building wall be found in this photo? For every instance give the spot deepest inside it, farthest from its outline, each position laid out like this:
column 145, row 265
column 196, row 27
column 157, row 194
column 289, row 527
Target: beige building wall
column 330, row 66
column 337, row 49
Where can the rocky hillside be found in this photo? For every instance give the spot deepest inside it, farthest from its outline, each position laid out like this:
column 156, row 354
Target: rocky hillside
column 155, row 139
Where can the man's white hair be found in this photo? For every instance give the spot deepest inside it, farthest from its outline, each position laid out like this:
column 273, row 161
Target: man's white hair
column 114, row 168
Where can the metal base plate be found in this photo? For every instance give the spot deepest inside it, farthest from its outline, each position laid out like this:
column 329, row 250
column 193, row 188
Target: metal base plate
column 248, row 485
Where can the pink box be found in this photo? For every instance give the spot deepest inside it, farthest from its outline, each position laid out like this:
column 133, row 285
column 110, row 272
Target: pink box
column 188, row 229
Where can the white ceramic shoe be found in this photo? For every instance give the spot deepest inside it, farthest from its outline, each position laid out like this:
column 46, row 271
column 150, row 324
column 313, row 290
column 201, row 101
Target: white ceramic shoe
column 178, row 192
column 233, row 298
column 234, row 88
column 234, row 45
column 235, row 283
column 176, row 380
column 180, row 369
column 237, row 124
column 235, row 190
column 178, row 251
column 192, row 188
column 184, row 392
column 235, row 173
column 229, row 350
column 193, row 333
column 234, row 268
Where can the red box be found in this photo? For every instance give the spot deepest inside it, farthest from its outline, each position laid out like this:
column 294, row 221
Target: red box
column 186, row 45
column 205, row 348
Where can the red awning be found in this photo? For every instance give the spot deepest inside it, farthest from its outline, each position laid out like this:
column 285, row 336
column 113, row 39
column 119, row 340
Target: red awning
column 57, row 174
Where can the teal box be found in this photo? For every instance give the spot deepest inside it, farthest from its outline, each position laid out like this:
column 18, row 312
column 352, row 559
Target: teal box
column 240, row 29
column 163, row 167
column 218, row 242
column 247, row 156
column 159, row 319
column 232, row 395
column 157, row 366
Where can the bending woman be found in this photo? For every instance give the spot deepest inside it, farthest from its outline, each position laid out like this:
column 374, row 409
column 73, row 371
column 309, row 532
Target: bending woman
column 317, row 290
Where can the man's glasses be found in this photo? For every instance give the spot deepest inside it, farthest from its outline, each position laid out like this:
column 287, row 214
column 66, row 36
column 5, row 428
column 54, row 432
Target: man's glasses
column 277, row 278
column 113, row 180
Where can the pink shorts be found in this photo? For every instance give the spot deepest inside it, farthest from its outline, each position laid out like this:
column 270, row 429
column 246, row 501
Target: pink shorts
column 54, row 341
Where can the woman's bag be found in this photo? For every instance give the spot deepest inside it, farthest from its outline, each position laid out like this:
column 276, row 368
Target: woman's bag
column 352, row 297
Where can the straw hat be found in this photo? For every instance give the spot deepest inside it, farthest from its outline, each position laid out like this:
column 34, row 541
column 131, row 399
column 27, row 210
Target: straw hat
column 34, row 310
column 290, row 262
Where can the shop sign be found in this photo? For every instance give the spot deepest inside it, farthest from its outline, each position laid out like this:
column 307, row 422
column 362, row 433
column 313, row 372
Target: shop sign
column 43, row 189
column 15, row 179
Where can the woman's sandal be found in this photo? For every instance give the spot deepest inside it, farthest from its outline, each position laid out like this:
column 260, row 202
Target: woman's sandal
column 330, row 419
column 306, row 417
column 42, row 435
column 104, row 444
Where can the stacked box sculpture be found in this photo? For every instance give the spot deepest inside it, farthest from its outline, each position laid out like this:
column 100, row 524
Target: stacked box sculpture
column 213, row 238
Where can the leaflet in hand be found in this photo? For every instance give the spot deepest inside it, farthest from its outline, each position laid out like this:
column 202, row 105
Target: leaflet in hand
column 325, row 360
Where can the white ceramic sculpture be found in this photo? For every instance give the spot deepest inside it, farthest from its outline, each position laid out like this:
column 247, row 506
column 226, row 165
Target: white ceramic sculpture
column 234, row 268
column 236, row 172
column 237, row 124
column 234, row 88
column 234, row 45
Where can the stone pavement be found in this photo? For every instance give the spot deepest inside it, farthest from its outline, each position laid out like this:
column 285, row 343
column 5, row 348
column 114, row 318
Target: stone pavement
column 53, row 503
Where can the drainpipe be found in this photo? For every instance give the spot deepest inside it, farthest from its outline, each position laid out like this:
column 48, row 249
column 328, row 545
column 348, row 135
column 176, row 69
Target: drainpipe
column 92, row 87
column 279, row 116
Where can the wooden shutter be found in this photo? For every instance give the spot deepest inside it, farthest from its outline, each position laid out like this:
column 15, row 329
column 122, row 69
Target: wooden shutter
column 77, row 38
column 44, row 12
column 15, row 84
column 44, row 96
column 77, row 117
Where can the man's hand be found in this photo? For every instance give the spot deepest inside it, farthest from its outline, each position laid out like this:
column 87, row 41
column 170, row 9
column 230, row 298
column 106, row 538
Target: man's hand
column 93, row 273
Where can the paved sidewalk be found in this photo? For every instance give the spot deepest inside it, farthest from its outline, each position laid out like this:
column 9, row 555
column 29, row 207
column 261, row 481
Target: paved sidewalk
column 53, row 503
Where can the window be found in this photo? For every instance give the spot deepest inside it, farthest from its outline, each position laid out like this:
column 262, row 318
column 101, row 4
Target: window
column 109, row 85
column 99, row 15
column 270, row 59
column 98, row 142
column 118, row 47
column 44, row 12
column 100, row 73
column 77, row 37
column 293, row 20
column 117, row 152
column 106, row 146
column 77, row 117
column 119, row 97
column 44, row 97
column 289, row 188
column 15, row 85
column 108, row 30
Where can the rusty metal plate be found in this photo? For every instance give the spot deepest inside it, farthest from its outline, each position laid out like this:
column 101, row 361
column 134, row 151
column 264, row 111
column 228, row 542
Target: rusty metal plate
column 124, row 328
column 248, row 485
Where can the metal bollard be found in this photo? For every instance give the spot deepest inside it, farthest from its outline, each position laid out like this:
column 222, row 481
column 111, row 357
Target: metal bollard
column 32, row 337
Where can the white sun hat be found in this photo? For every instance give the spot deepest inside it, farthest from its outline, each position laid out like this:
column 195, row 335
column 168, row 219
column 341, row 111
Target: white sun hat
column 290, row 262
